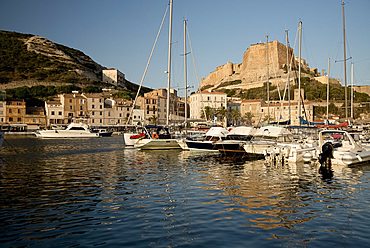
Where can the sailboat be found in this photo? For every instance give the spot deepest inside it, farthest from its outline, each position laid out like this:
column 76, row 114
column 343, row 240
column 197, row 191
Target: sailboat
column 158, row 137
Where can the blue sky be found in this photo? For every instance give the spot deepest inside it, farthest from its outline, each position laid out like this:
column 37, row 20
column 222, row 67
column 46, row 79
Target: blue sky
column 121, row 33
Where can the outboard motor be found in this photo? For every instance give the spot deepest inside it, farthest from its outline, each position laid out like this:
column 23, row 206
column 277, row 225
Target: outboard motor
column 327, row 153
column 325, row 160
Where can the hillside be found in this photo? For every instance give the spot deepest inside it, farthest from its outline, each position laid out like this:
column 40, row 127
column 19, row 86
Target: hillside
column 29, row 60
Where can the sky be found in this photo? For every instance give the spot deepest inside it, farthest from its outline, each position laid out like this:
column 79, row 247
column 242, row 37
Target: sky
column 120, row 33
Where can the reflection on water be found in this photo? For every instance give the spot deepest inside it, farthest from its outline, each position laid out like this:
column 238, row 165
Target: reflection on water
column 95, row 192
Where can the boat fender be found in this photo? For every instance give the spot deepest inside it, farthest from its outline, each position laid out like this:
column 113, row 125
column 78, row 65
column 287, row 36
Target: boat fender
column 155, row 136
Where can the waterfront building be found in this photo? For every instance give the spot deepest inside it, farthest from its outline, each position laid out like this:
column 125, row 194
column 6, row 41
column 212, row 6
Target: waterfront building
column 3, row 111
column 252, row 109
column 279, row 111
column 35, row 117
column 54, row 113
column 95, row 109
column 74, row 107
column 15, row 111
column 200, row 100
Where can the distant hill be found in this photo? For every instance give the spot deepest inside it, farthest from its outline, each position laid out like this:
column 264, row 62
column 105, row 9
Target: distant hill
column 29, row 60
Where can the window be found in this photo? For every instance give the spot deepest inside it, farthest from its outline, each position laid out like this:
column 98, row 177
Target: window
column 19, row 111
column 70, row 100
column 70, row 106
column 92, row 113
column 92, row 100
column 19, row 119
column 93, row 106
column 60, row 113
column 101, row 106
column 10, row 119
column 101, row 113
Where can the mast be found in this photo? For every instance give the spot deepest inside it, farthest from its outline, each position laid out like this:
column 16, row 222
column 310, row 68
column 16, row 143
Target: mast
column 299, row 71
column 288, row 69
column 169, row 65
column 345, row 64
column 268, row 84
column 327, row 93
column 185, row 76
column 352, row 91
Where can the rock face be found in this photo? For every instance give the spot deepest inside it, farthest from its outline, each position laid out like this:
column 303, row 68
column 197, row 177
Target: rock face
column 85, row 65
column 45, row 47
column 254, row 65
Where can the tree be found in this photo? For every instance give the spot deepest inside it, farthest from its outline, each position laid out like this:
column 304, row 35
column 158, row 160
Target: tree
column 248, row 116
column 207, row 113
column 235, row 116
column 222, row 113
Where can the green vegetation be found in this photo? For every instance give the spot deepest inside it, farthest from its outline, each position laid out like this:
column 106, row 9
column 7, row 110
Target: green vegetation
column 17, row 63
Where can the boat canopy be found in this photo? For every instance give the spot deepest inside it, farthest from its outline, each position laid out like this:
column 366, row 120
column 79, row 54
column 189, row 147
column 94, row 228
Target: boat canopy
column 217, row 131
column 272, row 131
column 242, row 130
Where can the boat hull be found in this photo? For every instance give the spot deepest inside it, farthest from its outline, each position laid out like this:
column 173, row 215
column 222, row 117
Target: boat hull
column 65, row 134
column 157, row 144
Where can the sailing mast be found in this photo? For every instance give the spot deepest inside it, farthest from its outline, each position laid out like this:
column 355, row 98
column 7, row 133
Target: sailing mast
column 299, row 71
column 288, row 69
column 169, row 65
column 268, row 84
column 352, row 91
column 327, row 94
column 345, row 64
column 185, row 76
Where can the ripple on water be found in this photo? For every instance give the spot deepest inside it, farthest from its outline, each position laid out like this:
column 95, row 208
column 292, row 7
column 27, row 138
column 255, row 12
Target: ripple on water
column 94, row 192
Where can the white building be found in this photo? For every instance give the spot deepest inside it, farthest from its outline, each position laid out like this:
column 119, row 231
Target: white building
column 199, row 100
column 54, row 113
column 114, row 77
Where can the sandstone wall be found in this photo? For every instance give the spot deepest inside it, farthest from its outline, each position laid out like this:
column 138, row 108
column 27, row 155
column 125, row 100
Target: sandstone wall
column 362, row 89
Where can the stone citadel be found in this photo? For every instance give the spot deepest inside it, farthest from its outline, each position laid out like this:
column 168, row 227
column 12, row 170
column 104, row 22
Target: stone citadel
column 252, row 72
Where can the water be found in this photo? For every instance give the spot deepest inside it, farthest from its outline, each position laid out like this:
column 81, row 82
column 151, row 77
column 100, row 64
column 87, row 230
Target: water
column 96, row 193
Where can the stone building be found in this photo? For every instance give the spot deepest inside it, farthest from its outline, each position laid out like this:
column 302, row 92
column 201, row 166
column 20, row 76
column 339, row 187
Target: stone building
column 114, row 77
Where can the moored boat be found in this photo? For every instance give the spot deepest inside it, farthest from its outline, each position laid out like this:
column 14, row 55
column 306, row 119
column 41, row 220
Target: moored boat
column 265, row 137
column 156, row 138
column 232, row 145
column 340, row 147
column 208, row 141
column 73, row 130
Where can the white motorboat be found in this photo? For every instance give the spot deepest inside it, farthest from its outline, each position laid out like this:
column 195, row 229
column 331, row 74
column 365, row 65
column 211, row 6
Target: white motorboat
column 265, row 137
column 340, row 148
column 73, row 130
column 208, row 141
column 232, row 145
column 301, row 146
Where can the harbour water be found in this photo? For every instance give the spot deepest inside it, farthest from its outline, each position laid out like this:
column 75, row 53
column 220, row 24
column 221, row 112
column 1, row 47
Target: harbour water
column 96, row 193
